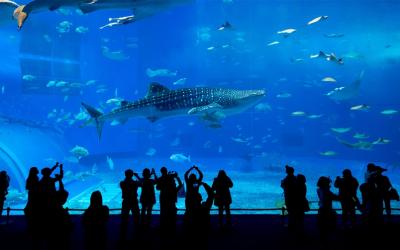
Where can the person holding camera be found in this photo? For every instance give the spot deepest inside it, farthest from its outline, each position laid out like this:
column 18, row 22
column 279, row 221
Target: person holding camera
column 4, row 184
column 166, row 184
column 347, row 186
column 148, row 196
column 47, row 188
column 130, row 203
column 193, row 196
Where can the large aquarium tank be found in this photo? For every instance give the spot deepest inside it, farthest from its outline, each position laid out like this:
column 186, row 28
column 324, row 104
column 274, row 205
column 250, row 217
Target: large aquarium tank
column 247, row 86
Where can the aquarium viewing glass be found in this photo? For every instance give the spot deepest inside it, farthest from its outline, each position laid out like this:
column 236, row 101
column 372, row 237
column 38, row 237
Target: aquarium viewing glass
column 248, row 86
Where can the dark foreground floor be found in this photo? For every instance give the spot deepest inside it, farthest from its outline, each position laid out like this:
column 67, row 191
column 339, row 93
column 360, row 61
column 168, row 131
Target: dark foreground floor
column 248, row 232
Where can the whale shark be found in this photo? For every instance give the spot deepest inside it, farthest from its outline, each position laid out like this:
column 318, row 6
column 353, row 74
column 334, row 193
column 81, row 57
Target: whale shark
column 161, row 102
column 347, row 92
column 140, row 8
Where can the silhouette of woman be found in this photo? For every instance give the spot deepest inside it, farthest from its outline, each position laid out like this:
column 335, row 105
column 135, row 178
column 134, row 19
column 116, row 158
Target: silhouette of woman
column 148, row 196
column 223, row 199
column 32, row 186
column 95, row 220
column 193, row 197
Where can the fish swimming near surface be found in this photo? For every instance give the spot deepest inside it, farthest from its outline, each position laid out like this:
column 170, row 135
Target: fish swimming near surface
column 347, row 92
column 141, row 8
column 162, row 102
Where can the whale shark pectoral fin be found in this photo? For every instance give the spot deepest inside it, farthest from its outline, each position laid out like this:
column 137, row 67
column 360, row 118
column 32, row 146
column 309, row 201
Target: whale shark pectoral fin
column 20, row 15
column 210, row 108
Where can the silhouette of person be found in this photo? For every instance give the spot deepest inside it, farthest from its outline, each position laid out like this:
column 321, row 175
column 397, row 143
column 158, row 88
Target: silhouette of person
column 326, row 215
column 193, row 196
column 301, row 204
column 94, row 221
column 289, row 190
column 348, row 186
column 384, row 186
column 31, row 208
column 166, row 184
column 130, row 202
column 47, row 187
column 4, row 184
column 223, row 199
column 62, row 223
column 372, row 198
column 148, row 196
column 206, row 208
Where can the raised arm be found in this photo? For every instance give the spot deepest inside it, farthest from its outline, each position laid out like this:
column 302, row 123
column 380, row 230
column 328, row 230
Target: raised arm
column 180, row 184
column 54, row 167
column 187, row 174
column 200, row 174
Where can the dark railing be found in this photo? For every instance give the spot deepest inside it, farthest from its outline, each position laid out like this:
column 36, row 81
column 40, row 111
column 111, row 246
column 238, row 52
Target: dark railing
column 282, row 210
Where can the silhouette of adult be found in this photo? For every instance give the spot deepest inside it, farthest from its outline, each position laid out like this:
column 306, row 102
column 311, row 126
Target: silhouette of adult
column 166, row 184
column 31, row 208
column 326, row 214
column 372, row 197
column 384, row 186
column 94, row 221
column 223, row 199
column 301, row 204
column 4, row 184
column 61, row 222
column 47, row 199
column 204, row 219
column 193, row 196
column 130, row 202
column 289, row 190
column 147, row 197
column 47, row 187
column 348, row 186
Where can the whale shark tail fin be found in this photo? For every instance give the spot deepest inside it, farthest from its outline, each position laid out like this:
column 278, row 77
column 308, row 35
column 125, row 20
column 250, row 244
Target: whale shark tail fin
column 20, row 15
column 95, row 115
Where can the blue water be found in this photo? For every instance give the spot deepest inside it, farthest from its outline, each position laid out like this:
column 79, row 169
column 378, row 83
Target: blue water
column 186, row 39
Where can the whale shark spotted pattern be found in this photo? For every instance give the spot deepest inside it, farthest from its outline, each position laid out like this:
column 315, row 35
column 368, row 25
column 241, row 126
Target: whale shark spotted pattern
column 162, row 102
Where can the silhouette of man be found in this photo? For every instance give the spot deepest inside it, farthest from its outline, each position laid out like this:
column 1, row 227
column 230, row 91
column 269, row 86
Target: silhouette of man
column 130, row 202
column 166, row 184
column 4, row 184
column 289, row 190
column 347, row 186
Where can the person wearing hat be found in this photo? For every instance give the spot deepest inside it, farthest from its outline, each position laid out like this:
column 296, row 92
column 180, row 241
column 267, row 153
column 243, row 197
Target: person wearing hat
column 384, row 186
